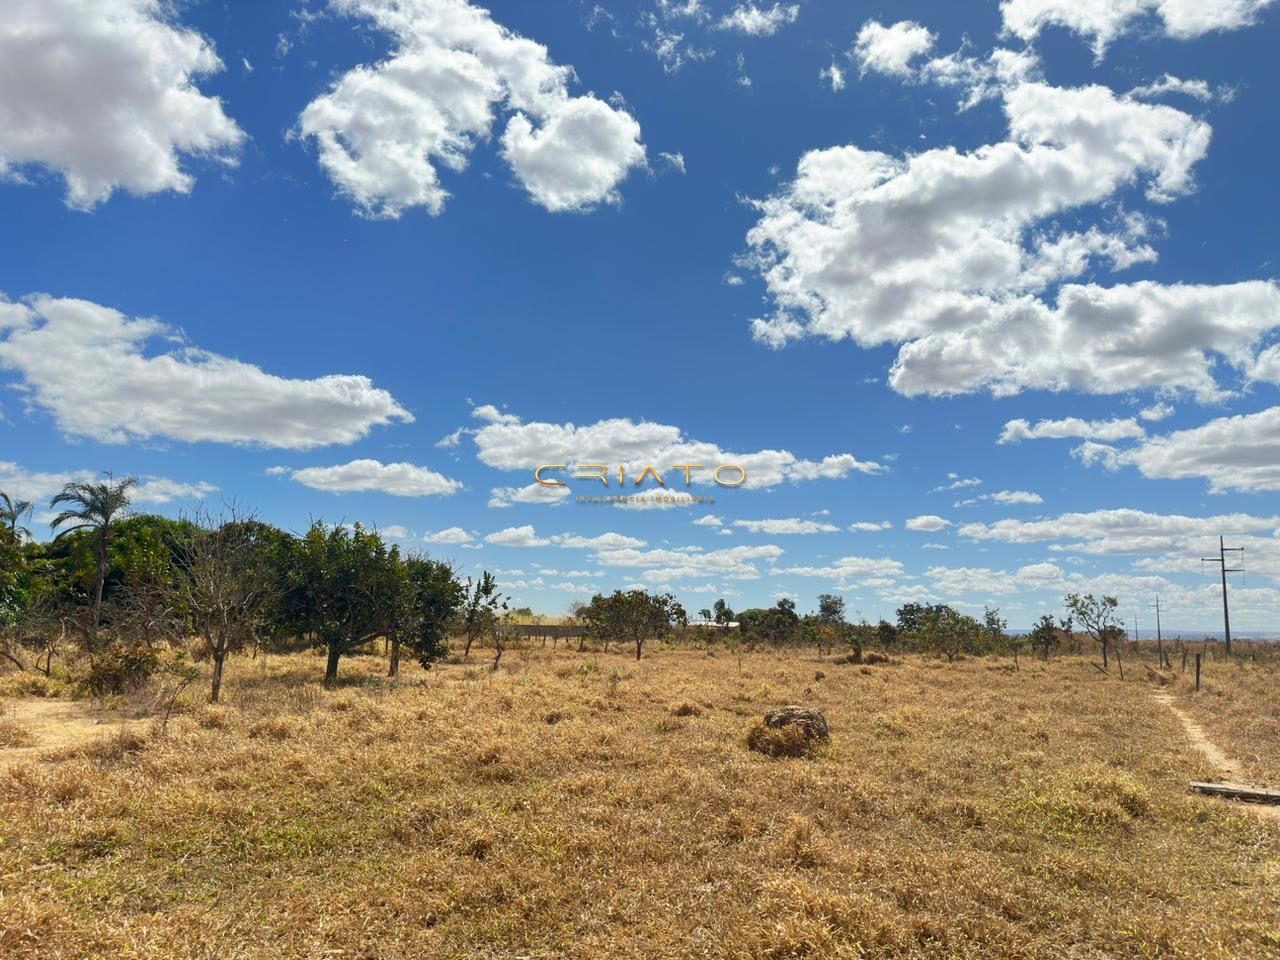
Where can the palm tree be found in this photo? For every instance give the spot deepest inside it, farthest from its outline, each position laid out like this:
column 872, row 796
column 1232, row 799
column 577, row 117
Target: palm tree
column 11, row 514
column 95, row 506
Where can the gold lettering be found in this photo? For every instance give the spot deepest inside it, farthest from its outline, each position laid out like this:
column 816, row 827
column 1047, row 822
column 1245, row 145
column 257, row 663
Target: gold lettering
column 742, row 478
column 648, row 470
column 537, row 475
column 601, row 476
column 686, row 467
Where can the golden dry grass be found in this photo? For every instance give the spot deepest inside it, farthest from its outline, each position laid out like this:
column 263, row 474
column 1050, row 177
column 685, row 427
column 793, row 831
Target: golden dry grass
column 1239, row 707
column 587, row 806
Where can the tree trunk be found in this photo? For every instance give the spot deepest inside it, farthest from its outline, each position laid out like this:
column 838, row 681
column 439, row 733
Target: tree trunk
column 100, row 580
column 639, row 647
column 219, row 658
column 395, row 659
column 331, row 667
column 466, row 652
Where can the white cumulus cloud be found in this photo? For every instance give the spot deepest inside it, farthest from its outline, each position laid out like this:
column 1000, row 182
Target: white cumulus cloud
column 104, row 93
column 891, row 49
column 88, row 366
column 373, row 476
column 1106, row 20
column 384, row 131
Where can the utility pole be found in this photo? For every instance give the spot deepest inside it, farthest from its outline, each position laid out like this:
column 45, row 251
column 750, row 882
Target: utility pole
column 1221, row 560
column 1159, row 637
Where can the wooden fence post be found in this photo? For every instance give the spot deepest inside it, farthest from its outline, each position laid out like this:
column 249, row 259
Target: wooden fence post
column 1197, row 673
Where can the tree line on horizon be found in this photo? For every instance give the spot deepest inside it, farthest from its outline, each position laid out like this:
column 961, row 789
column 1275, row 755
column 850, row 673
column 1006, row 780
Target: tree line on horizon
column 117, row 586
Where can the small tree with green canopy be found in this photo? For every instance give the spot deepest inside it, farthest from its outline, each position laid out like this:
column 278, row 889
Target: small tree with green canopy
column 95, row 508
column 629, row 616
column 1098, row 617
column 430, row 598
column 481, row 603
column 348, row 584
column 1044, row 635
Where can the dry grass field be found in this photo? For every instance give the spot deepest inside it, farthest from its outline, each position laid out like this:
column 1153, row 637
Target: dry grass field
column 1239, row 707
column 588, row 806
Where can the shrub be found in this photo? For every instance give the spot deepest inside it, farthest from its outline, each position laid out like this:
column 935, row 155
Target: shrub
column 119, row 670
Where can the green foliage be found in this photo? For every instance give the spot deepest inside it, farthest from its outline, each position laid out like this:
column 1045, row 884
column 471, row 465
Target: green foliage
column 629, row 616
column 480, row 606
column 345, row 588
column 118, row 669
column 1044, row 635
column 434, row 597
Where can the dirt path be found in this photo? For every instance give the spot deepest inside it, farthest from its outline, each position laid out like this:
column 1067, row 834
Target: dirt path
column 53, row 724
column 1214, row 754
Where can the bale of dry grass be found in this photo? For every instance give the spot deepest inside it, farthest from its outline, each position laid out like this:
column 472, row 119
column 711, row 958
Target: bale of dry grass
column 791, row 731
column 812, row 722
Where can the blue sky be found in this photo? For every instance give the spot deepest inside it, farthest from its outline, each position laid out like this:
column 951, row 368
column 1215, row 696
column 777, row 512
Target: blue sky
column 374, row 261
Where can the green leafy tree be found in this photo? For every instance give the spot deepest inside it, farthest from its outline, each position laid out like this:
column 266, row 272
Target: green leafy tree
column 12, row 513
column 482, row 602
column 886, row 634
column 1097, row 615
column 346, row 579
column 948, row 632
column 722, row 613
column 1044, row 635
column 431, row 597
column 94, row 508
column 630, row 616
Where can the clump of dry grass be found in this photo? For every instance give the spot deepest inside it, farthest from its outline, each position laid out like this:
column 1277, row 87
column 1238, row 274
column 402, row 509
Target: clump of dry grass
column 790, row 741
column 13, row 734
column 686, row 709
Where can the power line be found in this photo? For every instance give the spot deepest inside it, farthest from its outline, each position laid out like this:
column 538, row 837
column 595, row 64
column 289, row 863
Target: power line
column 1221, row 560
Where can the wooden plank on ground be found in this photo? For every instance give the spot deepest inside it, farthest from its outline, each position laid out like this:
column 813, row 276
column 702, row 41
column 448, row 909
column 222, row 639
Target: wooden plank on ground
column 1237, row 791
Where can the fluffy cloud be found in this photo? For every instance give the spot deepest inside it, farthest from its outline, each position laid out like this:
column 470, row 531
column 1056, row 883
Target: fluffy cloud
column 663, row 566
column 1016, row 431
column 710, row 520
column 758, row 21
column 956, row 582
column 847, row 570
column 1199, row 89
column 40, row 486
column 1112, row 532
column 524, row 536
column 364, row 476
column 1156, row 412
column 1233, row 453
column 787, row 526
column 947, row 253
column 455, row 536
column 105, row 94
column 1105, row 20
column 605, row 541
column 85, row 364
column 890, row 50
column 928, row 523
column 1013, row 497
column 384, row 130
column 525, row 446
column 533, row 493
column 867, row 526
column 159, row 491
